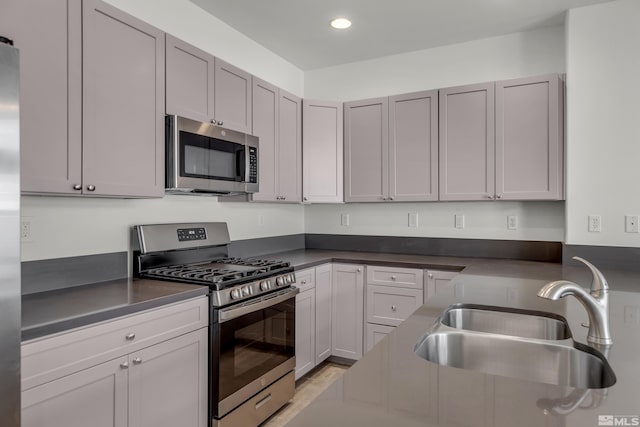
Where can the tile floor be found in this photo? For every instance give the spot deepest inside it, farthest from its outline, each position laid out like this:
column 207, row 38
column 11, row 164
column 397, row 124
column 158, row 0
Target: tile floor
column 307, row 389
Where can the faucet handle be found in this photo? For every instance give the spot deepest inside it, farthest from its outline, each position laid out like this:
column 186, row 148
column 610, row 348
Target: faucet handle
column 599, row 283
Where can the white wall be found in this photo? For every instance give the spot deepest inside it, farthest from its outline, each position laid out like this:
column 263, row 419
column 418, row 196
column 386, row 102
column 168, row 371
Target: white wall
column 496, row 58
column 71, row 226
column 603, row 121
column 542, row 221
column 192, row 24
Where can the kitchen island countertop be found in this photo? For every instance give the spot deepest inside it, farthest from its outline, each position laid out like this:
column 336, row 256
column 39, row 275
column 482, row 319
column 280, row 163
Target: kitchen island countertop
column 392, row 386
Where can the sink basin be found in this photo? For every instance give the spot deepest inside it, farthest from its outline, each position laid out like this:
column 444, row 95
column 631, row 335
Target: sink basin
column 506, row 321
column 549, row 362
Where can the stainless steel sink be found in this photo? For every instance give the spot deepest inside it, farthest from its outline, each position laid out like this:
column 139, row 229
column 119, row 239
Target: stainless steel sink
column 506, row 321
column 520, row 344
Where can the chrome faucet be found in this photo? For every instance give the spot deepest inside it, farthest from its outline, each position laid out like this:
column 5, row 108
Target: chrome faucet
column 595, row 302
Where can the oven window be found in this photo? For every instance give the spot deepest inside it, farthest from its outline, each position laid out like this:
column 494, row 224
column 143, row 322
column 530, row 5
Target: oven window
column 210, row 158
column 253, row 344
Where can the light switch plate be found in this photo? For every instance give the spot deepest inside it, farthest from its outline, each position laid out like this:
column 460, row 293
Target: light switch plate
column 459, row 221
column 344, row 220
column 413, row 219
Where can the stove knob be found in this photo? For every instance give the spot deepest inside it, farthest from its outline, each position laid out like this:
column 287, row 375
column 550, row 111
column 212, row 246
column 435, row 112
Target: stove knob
column 264, row 286
column 235, row 294
column 245, row 291
column 280, row 281
column 292, row 278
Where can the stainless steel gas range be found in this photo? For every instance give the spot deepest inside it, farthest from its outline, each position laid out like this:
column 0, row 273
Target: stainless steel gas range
column 252, row 318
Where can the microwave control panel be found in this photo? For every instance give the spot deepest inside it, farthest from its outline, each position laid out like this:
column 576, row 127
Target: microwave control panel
column 253, row 165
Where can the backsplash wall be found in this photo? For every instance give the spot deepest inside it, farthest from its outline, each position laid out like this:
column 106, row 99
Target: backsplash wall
column 72, row 226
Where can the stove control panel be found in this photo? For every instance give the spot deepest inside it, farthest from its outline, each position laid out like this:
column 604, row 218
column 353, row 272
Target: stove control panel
column 187, row 234
column 249, row 290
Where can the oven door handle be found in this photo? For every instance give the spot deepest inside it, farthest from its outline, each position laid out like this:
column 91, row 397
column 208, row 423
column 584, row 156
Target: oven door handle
column 231, row 313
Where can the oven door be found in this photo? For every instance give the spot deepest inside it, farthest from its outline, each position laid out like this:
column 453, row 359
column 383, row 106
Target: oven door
column 253, row 345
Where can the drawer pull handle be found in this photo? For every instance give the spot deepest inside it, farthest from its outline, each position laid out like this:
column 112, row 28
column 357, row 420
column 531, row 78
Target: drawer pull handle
column 263, row 401
column 130, row 336
column 393, row 308
column 137, row 361
column 124, row 365
column 393, row 278
column 303, row 282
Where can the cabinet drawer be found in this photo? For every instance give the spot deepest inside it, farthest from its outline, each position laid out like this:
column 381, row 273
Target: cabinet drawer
column 51, row 357
column 306, row 279
column 395, row 276
column 387, row 305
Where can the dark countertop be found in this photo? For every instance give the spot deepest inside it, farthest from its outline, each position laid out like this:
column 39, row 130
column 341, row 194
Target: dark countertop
column 49, row 312
column 391, row 386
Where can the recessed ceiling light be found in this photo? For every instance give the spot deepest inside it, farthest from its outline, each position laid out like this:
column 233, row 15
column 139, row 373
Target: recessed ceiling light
column 340, row 23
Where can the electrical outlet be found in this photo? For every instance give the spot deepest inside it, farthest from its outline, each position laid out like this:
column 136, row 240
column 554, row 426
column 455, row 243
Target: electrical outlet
column 26, row 234
column 631, row 224
column 459, row 221
column 413, row 219
column 344, row 220
column 595, row 224
column 512, row 222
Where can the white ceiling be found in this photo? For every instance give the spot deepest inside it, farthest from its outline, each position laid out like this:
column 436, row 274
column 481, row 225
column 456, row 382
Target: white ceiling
column 298, row 30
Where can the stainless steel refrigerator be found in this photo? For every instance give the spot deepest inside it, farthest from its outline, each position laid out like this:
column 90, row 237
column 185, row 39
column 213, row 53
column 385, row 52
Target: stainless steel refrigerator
column 9, row 237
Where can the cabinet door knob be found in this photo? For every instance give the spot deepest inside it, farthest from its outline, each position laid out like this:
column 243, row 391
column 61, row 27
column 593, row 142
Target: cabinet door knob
column 77, row 187
column 358, row 269
column 499, row 196
column 305, row 199
column 220, row 122
column 430, row 275
column 393, row 278
column 137, row 361
column 124, row 365
column 130, row 336
column 384, row 198
column 490, row 197
column 91, row 187
column 303, row 282
column 284, row 198
column 390, row 198
column 393, row 308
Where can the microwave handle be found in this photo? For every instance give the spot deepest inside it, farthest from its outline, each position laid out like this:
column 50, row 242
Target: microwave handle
column 241, row 164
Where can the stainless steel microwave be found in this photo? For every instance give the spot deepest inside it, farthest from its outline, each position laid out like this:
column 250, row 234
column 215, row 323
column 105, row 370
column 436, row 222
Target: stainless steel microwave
column 203, row 158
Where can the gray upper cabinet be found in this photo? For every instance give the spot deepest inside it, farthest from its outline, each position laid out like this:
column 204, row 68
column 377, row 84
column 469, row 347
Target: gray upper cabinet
column 123, row 103
column 232, row 96
column 391, row 148
column 92, row 99
column 467, row 142
column 413, row 146
column 190, row 81
column 366, row 154
column 322, row 154
column 277, row 122
column 529, row 138
column 50, row 92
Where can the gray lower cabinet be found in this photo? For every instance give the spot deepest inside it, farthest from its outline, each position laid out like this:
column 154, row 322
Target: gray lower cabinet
column 467, row 142
column 392, row 295
column 391, row 148
column 277, row 121
column 147, row 369
column 92, row 99
column 324, row 292
column 305, row 332
column 313, row 317
column 347, row 311
column 322, row 154
column 436, row 282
